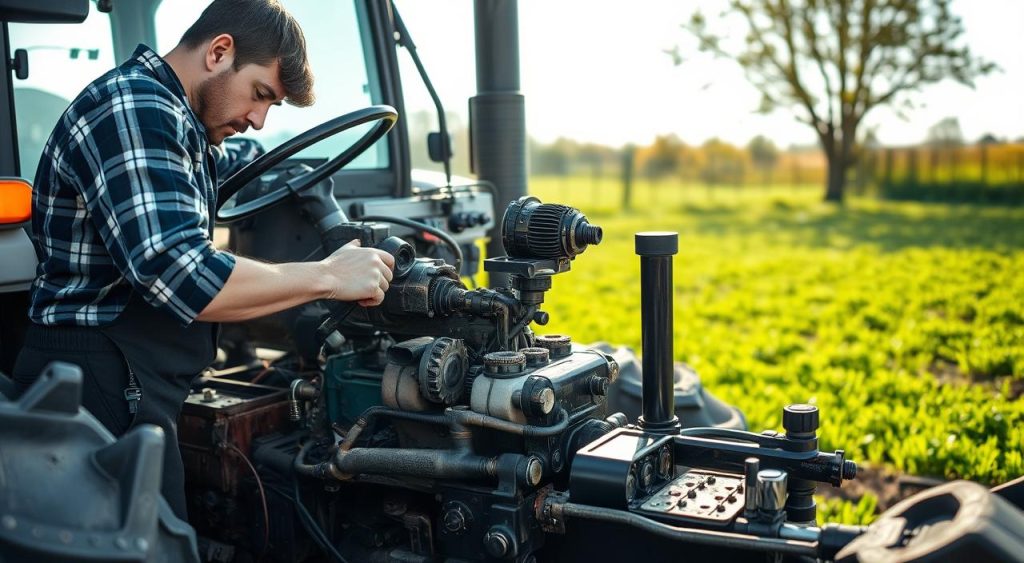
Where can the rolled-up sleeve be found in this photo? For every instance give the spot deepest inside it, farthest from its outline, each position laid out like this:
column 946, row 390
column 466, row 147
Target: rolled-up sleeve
column 144, row 200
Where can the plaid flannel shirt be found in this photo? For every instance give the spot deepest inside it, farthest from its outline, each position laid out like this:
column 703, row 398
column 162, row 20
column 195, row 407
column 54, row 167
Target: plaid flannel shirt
column 122, row 202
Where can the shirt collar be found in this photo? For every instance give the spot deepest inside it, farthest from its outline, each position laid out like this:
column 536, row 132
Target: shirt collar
column 164, row 74
column 161, row 70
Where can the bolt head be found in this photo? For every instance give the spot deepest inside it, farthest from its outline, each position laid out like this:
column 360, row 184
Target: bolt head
column 497, row 543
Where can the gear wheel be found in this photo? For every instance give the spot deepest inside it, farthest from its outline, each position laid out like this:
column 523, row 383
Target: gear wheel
column 536, row 356
column 442, row 371
column 559, row 344
column 504, row 364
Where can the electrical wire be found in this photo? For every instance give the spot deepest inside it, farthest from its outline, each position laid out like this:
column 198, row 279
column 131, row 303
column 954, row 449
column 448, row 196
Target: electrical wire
column 316, row 534
column 417, row 226
column 263, row 498
column 309, row 523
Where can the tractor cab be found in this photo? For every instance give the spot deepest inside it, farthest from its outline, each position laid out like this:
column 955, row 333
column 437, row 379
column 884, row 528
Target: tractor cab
column 55, row 50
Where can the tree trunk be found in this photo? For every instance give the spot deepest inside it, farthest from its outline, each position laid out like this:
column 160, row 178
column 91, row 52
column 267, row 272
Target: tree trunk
column 836, row 181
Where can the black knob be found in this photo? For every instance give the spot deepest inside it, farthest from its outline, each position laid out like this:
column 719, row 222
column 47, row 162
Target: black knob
column 800, row 420
column 456, row 517
column 656, row 243
column 598, row 385
column 498, row 543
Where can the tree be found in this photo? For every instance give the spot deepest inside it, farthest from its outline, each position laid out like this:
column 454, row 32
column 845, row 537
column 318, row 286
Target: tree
column 764, row 154
column 724, row 163
column 554, row 159
column 988, row 139
column 946, row 133
column 836, row 60
column 662, row 158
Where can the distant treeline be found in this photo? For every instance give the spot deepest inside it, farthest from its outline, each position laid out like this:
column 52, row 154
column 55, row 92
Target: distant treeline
column 715, row 162
column 984, row 173
column 988, row 172
column 941, row 169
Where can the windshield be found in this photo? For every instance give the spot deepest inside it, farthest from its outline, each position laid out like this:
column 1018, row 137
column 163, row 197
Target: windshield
column 63, row 59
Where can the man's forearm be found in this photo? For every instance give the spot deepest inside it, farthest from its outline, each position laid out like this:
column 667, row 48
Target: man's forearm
column 255, row 289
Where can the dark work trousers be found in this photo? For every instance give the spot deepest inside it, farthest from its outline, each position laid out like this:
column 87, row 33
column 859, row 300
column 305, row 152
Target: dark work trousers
column 145, row 352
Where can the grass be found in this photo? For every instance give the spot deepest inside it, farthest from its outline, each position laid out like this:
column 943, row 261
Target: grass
column 902, row 321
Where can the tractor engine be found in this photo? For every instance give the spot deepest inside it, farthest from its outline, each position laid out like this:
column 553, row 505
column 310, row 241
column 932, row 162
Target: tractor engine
column 423, row 427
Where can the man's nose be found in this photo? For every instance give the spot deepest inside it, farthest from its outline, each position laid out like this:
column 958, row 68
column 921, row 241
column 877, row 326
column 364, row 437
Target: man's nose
column 257, row 117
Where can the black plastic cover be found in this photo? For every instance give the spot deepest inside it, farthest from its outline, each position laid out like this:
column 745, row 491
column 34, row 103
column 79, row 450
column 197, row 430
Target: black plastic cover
column 51, row 11
column 657, row 243
column 70, row 492
column 958, row 521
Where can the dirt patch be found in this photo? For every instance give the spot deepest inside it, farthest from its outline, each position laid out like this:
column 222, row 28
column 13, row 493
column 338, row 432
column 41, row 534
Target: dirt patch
column 948, row 373
column 1016, row 388
column 889, row 487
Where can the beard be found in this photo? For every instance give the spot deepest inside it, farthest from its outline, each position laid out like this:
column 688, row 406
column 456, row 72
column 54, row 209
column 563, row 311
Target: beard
column 213, row 109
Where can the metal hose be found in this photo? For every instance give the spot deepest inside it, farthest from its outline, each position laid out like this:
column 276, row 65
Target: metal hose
column 471, row 418
column 436, row 464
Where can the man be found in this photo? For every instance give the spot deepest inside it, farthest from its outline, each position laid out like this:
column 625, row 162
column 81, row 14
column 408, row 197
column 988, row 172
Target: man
column 129, row 284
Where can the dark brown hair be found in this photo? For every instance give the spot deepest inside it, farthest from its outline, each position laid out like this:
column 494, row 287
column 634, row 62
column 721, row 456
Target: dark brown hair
column 263, row 32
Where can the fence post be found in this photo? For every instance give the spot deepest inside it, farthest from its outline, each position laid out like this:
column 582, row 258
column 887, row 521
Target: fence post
column 984, row 163
column 887, row 173
column 954, row 165
column 628, row 158
column 911, row 178
column 933, row 166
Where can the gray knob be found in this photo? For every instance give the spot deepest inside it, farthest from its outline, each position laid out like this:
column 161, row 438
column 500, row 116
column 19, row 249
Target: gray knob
column 771, row 490
column 751, row 466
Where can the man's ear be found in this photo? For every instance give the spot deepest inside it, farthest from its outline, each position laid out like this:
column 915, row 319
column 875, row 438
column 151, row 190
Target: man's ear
column 220, row 53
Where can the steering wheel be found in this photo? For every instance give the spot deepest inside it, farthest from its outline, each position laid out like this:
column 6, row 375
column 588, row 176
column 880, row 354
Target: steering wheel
column 386, row 116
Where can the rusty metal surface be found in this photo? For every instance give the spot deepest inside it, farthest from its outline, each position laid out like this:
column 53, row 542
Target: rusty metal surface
column 236, row 414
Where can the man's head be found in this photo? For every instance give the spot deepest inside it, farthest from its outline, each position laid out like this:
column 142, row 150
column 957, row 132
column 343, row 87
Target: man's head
column 252, row 55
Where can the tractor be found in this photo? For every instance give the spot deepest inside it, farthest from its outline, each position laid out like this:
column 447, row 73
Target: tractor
column 444, row 424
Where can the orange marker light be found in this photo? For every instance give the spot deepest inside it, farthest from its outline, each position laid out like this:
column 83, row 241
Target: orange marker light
column 15, row 201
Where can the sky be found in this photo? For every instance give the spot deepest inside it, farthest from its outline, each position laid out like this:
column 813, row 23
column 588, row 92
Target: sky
column 596, row 71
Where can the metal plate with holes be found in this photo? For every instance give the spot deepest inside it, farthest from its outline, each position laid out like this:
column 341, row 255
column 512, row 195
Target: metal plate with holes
column 712, row 498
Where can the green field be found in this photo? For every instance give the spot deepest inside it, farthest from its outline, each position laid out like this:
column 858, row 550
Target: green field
column 903, row 322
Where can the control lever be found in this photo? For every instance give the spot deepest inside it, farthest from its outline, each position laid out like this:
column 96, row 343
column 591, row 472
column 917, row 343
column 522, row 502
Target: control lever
column 405, row 257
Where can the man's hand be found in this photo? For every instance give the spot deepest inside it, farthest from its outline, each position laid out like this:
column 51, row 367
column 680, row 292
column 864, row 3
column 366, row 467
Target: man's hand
column 255, row 289
column 359, row 274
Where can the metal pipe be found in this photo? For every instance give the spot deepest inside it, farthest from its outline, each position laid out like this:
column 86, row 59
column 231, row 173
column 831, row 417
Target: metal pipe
column 471, row 418
column 751, row 466
column 457, row 419
column 497, row 114
column 704, row 537
column 800, row 533
column 369, row 414
column 656, row 250
column 437, row 464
